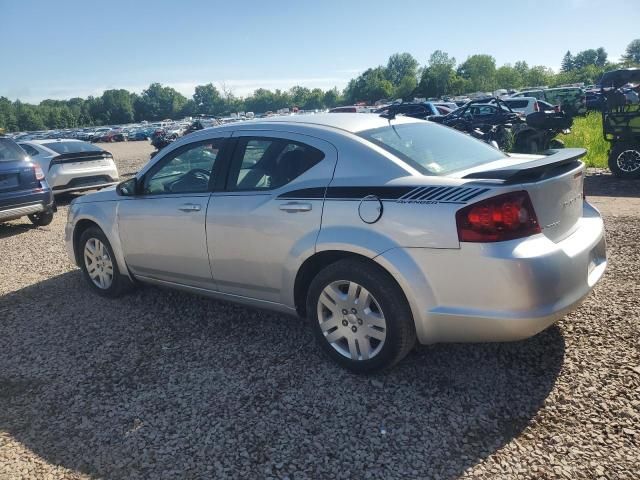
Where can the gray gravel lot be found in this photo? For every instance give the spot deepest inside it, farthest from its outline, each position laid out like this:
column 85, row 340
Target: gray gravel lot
column 164, row 384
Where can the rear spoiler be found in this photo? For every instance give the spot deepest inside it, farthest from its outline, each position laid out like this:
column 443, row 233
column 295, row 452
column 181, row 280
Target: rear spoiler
column 535, row 169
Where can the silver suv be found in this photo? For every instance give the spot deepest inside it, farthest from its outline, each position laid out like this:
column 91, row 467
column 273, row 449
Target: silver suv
column 380, row 231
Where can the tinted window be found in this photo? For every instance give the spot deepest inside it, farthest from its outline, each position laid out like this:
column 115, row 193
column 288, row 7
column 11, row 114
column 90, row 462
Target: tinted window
column 10, row 151
column 268, row 163
column 72, row 147
column 187, row 170
column 517, row 103
column 29, row 149
column 432, row 149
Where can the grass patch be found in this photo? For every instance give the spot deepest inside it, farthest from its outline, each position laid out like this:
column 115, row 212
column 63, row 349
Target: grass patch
column 586, row 132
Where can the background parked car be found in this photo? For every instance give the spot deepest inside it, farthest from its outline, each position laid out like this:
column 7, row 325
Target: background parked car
column 72, row 165
column 572, row 100
column 23, row 188
column 414, row 110
column 527, row 105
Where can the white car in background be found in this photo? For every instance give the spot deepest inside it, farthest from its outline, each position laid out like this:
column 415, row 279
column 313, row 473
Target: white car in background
column 527, row 105
column 72, row 165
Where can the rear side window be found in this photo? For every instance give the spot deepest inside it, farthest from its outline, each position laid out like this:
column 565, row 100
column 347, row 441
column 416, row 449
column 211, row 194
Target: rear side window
column 10, row 151
column 432, row 149
column 269, row 163
column 72, row 147
column 517, row 103
column 29, row 149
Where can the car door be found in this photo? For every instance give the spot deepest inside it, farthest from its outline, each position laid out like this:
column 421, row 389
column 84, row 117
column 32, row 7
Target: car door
column 162, row 227
column 270, row 214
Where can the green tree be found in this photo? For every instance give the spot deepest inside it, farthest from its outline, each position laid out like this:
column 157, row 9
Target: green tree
column 601, row 57
column 207, row 100
column 370, row 86
column 158, row 102
column 632, row 53
column 480, row 70
column 400, row 66
column 332, row 98
column 438, row 77
column 567, row 62
column 315, row 100
column 118, row 106
column 584, row 58
column 508, row 77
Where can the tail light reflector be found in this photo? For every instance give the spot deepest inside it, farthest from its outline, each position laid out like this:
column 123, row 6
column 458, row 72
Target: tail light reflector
column 39, row 173
column 504, row 217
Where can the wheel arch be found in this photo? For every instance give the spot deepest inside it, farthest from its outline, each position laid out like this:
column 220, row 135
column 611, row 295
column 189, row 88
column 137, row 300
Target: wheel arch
column 320, row 260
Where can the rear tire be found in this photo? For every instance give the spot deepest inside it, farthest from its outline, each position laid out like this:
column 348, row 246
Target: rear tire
column 360, row 316
column 41, row 219
column 624, row 160
column 99, row 265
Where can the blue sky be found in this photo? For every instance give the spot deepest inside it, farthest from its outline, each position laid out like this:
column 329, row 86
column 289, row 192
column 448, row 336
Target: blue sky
column 61, row 49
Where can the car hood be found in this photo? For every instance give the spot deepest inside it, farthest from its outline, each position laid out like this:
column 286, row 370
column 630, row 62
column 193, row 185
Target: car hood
column 107, row 194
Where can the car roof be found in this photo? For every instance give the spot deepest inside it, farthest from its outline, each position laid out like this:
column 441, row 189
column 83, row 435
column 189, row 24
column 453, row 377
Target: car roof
column 50, row 140
column 517, row 99
column 349, row 122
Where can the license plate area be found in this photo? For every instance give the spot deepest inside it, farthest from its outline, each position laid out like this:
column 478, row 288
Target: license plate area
column 10, row 180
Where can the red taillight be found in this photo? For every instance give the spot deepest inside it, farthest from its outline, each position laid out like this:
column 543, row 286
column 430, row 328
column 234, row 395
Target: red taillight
column 504, row 217
column 39, row 173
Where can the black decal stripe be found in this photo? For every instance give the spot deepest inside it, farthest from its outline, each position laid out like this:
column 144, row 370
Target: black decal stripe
column 411, row 192
column 473, row 195
column 436, row 191
column 451, row 194
column 415, row 195
column 444, row 193
column 426, row 193
column 462, row 193
column 408, row 194
column 306, row 193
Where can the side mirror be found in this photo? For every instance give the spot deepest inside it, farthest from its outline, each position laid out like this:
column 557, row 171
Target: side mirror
column 128, row 188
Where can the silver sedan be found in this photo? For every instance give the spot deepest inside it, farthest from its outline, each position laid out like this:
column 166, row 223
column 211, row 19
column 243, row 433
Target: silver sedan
column 382, row 231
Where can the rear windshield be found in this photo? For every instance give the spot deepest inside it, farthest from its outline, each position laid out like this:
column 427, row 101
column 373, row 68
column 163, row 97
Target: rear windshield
column 517, row 103
column 10, row 151
column 72, row 147
column 432, row 149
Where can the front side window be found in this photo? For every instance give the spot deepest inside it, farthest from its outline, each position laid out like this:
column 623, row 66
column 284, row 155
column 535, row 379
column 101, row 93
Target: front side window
column 268, row 163
column 432, row 149
column 188, row 170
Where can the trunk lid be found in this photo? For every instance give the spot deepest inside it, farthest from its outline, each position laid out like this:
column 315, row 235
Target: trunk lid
column 16, row 171
column 17, row 175
column 554, row 182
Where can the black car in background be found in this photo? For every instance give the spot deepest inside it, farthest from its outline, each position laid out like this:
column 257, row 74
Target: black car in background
column 23, row 188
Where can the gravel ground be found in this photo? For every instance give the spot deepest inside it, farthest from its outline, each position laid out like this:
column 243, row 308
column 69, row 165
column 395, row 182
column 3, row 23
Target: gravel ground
column 164, row 384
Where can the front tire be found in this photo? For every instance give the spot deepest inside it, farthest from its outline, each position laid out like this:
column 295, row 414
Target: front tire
column 359, row 316
column 624, row 160
column 99, row 265
column 41, row 219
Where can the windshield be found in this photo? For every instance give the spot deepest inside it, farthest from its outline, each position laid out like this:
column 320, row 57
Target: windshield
column 432, row 149
column 72, row 147
column 10, row 151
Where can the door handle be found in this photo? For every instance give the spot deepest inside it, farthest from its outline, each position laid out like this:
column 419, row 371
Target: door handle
column 293, row 207
column 189, row 207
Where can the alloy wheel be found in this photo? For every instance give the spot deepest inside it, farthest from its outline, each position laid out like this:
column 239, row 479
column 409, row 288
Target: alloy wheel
column 351, row 320
column 629, row 161
column 98, row 263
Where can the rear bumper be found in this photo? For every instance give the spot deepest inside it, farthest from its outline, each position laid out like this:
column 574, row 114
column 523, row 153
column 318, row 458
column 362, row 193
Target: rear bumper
column 70, row 177
column 504, row 291
column 18, row 204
